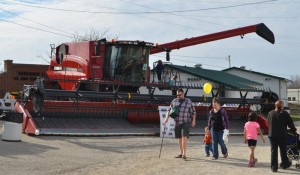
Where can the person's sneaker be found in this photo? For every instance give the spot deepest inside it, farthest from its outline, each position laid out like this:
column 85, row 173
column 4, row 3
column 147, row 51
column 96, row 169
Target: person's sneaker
column 207, row 155
column 184, row 157
column 214, row 158
column 226, row 155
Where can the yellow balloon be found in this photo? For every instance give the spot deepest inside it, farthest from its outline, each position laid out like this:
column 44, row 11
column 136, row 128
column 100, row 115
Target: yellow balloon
column 207, row 88
column 129, row 96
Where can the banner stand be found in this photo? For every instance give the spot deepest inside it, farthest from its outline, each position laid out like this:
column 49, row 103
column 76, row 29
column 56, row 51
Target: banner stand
column 170, row 126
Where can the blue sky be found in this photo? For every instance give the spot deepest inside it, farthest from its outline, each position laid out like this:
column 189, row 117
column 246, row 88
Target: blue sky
column 28, row 27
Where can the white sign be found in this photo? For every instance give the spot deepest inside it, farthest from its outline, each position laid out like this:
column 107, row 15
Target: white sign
column 7, row 103
column 169, row 129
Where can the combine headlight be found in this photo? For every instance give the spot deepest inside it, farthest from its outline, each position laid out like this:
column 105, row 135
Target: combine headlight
column 37, row 132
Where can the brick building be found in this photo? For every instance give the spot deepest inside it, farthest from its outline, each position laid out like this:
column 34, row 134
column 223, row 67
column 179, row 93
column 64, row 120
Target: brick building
column 14, row 76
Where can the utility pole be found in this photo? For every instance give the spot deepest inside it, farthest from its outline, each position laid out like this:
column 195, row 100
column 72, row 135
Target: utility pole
column 228, row 61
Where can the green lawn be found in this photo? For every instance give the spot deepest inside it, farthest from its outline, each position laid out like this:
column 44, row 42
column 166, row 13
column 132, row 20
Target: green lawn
column 295, row 117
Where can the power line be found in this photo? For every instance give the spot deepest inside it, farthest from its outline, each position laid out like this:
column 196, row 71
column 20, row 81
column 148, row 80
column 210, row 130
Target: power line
column 188, row 16
column 97, row 4
column 186, row 56
column 249, row 17
column 34, row 21
column 145, row 12
column 220, row 58
column 156, row 19
column 158, row 11
column 36, row 28
column 174, row 13
column 190, row 61
column 196, row 63
column 219, row 2
column 278, row 74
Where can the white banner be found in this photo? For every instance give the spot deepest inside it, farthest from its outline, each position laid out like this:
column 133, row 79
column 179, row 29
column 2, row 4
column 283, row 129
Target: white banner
column 170, row 126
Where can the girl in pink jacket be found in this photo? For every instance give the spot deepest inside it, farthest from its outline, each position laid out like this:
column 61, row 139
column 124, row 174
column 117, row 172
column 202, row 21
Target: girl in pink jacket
column 250, row 135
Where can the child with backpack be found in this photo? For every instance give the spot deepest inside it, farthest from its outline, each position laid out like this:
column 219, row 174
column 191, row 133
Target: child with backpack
column 250, row 135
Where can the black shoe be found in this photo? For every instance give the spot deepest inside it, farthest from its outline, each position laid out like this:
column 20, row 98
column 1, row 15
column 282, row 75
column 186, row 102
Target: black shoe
column 281, row 165
column 226, row 155
column 178, row 156
column 288, row 165
column 274, row 169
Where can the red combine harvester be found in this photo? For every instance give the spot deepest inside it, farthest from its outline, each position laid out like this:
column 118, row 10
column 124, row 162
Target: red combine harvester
column 92, row 87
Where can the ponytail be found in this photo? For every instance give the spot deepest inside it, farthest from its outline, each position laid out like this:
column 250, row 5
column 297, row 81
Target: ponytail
column 279, row 105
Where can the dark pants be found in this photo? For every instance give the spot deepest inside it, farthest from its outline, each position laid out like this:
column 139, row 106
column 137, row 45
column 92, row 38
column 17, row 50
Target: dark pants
column 217, row 138
column 208, row 147
column 159, row 75
column 281, row 143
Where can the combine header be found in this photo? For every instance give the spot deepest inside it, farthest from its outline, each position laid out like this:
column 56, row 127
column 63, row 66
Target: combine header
column 93, row 86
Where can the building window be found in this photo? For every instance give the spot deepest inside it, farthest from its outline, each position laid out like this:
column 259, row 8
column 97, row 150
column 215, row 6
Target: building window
column 289, row 98
column 294, row 99
column 193, row 79
column 267, row 79
column 24, row 78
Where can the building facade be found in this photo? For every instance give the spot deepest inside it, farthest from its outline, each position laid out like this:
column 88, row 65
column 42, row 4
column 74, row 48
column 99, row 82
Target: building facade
column 15, row 76
column 190, row 77
column 235, row 82
column 270, row 82
column 294, row 95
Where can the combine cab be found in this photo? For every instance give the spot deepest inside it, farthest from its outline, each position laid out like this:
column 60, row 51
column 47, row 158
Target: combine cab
column 95, row 65
column 92, row 87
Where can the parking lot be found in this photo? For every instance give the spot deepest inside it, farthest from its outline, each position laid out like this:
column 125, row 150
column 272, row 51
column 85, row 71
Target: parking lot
column 126, row 155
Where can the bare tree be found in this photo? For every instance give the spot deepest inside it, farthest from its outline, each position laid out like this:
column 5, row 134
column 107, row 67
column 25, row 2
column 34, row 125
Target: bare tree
column 91, row 35
column 296, row 82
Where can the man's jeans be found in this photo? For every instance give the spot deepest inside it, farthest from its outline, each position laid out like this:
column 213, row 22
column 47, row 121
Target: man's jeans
column 217, row 138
